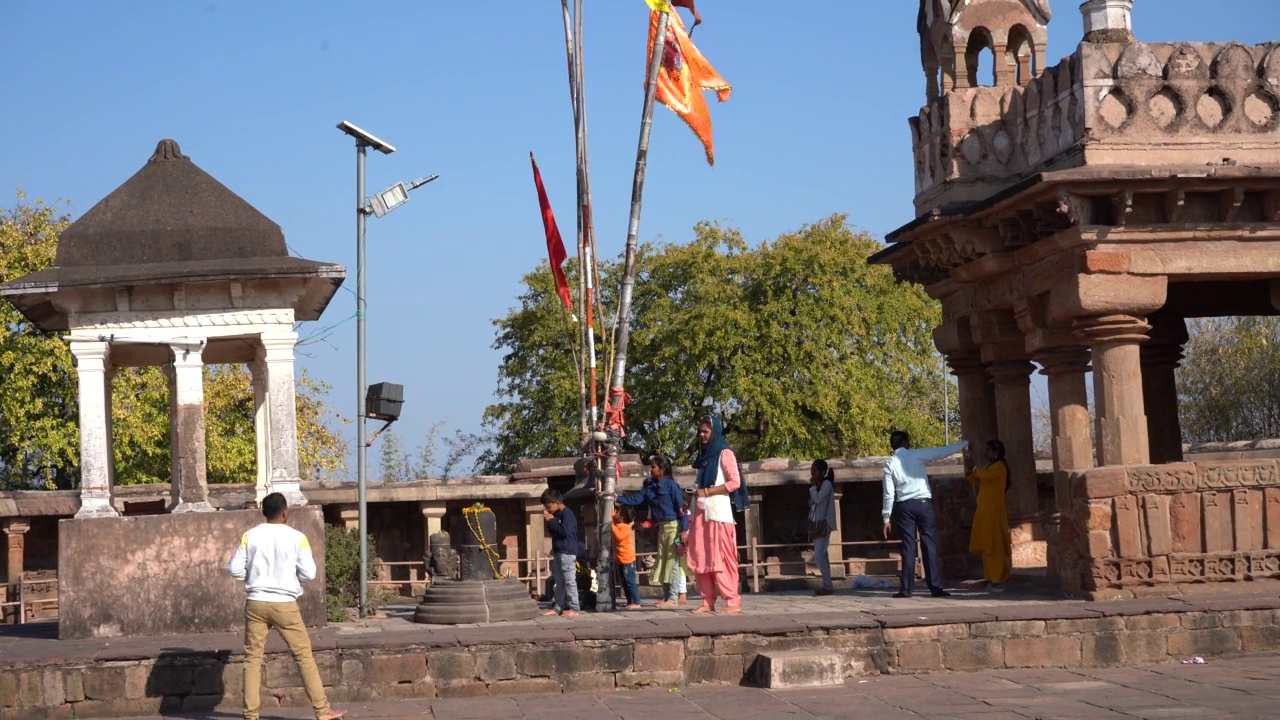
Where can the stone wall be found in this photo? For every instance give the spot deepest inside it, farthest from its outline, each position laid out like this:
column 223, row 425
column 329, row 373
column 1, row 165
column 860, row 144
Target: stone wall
column 1110, row 103
column 469, row 662
column 1152, row 529
column 165, row 574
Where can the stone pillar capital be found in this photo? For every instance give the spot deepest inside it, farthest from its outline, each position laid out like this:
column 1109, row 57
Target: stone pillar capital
column 1063, row 360
column 90, row 355
column 1111, row 330
column 969, row 363
column 187, row 354
column 278, row 347
column 432, row 508
column 1012, row 372
column 16, row 526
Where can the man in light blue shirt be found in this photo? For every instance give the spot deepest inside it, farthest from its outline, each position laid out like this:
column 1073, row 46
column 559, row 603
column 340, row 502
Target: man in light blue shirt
column 908, row 503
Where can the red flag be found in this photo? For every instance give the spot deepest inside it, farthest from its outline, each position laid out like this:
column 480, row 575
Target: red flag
column 555, row 246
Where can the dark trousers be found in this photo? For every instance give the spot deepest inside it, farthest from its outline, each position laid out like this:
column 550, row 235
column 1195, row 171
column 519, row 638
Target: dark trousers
column 629, row 584
column 914, row 518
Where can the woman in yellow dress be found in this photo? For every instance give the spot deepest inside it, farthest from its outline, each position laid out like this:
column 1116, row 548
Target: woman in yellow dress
column 990, row 537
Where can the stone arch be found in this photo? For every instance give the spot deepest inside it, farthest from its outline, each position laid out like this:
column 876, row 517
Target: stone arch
column 980, row 39
column 1020, row 55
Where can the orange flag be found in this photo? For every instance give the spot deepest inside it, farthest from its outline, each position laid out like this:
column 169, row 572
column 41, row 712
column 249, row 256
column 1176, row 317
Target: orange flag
column 683, row 77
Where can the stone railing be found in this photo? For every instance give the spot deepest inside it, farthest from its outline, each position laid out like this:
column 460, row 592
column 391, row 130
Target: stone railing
column 1197, row 99
column 1150, row 529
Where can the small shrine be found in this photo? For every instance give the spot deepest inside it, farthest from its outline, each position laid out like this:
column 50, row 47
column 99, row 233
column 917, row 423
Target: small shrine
column 172, row 269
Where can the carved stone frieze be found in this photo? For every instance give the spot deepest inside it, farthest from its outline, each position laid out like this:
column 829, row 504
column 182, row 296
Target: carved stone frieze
column 164, row 320
column 1165, row 479
column 1182, row 568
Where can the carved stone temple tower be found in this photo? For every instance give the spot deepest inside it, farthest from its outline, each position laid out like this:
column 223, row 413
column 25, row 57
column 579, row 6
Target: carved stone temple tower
column 1070, row 218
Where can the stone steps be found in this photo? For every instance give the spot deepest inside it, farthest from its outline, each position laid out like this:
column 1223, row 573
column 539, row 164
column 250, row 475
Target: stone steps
column 799, row 668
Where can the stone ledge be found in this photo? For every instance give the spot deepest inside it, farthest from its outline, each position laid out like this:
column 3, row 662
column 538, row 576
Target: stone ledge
column 161, row 674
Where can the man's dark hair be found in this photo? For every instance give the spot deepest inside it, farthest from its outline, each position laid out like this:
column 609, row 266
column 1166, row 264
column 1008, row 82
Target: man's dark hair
column 551, row 496
column 898, row 438
column 274, row 505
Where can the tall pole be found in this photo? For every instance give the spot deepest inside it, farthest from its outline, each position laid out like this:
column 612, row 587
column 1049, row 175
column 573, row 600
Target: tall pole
column 362, row 510
column 946, row 403
column 609, row 484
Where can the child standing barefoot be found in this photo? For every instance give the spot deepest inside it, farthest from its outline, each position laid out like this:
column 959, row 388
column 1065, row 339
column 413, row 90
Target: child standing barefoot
column 625, row 554
column 562, row 524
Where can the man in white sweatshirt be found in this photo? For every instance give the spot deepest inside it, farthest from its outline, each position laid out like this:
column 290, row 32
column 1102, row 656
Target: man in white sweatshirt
column 272, row 559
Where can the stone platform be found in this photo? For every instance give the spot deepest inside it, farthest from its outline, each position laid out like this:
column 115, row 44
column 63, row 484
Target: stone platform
column 872, row 633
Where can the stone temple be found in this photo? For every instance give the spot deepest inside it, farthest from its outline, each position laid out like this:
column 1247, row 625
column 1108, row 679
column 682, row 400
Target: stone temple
column 1070, row 219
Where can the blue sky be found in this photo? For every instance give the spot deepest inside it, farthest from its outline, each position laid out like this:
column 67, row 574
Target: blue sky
column 252, row 92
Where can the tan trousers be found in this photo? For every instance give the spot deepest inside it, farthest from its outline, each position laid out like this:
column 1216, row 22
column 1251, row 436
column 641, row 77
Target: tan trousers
column 259, row 618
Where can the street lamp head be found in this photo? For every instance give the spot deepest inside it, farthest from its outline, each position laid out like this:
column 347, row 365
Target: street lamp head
column 389, row 199
column 365, row 139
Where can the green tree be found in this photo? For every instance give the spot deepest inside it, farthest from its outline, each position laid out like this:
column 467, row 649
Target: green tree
column 1229, row 383
column 39, row 439
column 802, row 347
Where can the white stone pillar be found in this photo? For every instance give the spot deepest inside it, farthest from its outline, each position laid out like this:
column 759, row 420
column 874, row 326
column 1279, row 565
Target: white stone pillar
column 261, row 428
column 95, row 443
column 109, row 376
column 1107, row 21
column 282, row 416
column 189, row 483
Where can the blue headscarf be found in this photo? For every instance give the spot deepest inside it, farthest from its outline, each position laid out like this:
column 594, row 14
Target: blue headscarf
column 708, row 461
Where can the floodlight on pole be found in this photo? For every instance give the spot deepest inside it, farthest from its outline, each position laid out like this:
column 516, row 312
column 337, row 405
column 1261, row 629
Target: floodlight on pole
column 397, row 195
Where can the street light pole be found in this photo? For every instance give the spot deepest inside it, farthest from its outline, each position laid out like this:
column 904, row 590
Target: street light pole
column 361, row 429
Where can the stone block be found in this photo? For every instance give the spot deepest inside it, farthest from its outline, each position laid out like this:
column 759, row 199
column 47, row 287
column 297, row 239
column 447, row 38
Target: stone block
column 1216, row 641
column 657, row 656
column 1158, row 621
column 392, row 669
column 1260, row 638
column 185, row 555
column 799, row 668
column 54, row 691
column 447, row 667
column 1007, row 628
column 122, row 707
column 567, row 659
column 352, row 671
column 136, row 677
column 1098, row 545
column 104, row 683
column 201, row 703
column 1123, row 648
column 713, row 669
column 1100, row 483
column 280, row 671
column 233, row 680
column 1184, row 523
column 1083, row 625
column 8, row 688
column 588, row 683
column 462, row 689
column 919, row 656
column 1097, row 516
column 926, row 632
column 30, row 688
column 1042, row 652
column 1128, row 531
column 1103, row 261
column 1247, row 618
column 73, row 684
column 1216, row 507
column 1199, row 620
column 970, row 655
column 525, row 686
column 400, row 691
column 1155, row 510
column 1271, row 498
column 698, row 644
column 1247, row 519
column 659, row 678
column 496, row 665
column 165, row 677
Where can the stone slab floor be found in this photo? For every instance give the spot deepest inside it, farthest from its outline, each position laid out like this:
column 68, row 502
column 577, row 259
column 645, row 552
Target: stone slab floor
column 1239, row 687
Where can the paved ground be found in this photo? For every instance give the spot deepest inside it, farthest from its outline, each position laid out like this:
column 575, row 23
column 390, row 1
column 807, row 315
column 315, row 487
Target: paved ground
column 1239, row 687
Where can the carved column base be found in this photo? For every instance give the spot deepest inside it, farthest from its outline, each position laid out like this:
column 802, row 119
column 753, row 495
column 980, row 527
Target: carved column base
column 96, row 505
column 291, row 488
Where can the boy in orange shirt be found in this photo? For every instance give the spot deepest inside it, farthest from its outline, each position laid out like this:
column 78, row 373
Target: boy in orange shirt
column 625, row 554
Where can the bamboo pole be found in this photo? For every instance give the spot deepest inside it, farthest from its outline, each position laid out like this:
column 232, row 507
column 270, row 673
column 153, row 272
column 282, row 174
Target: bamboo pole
column 606, row 493
column 574, row 98
column 584, row 210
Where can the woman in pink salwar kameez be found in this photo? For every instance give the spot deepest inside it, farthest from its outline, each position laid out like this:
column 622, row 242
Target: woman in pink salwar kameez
column 713, row 548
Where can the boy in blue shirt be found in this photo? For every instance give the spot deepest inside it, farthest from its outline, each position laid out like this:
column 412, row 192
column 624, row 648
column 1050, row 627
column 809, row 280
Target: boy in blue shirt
column 562, row 525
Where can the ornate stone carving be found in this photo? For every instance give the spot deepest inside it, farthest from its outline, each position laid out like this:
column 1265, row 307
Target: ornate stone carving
column 1172, row 478
column 160, row 320
column 1225, row 475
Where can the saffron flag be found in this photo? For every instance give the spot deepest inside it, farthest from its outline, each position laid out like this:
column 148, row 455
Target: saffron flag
column 684, row 74
column 555, row 245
